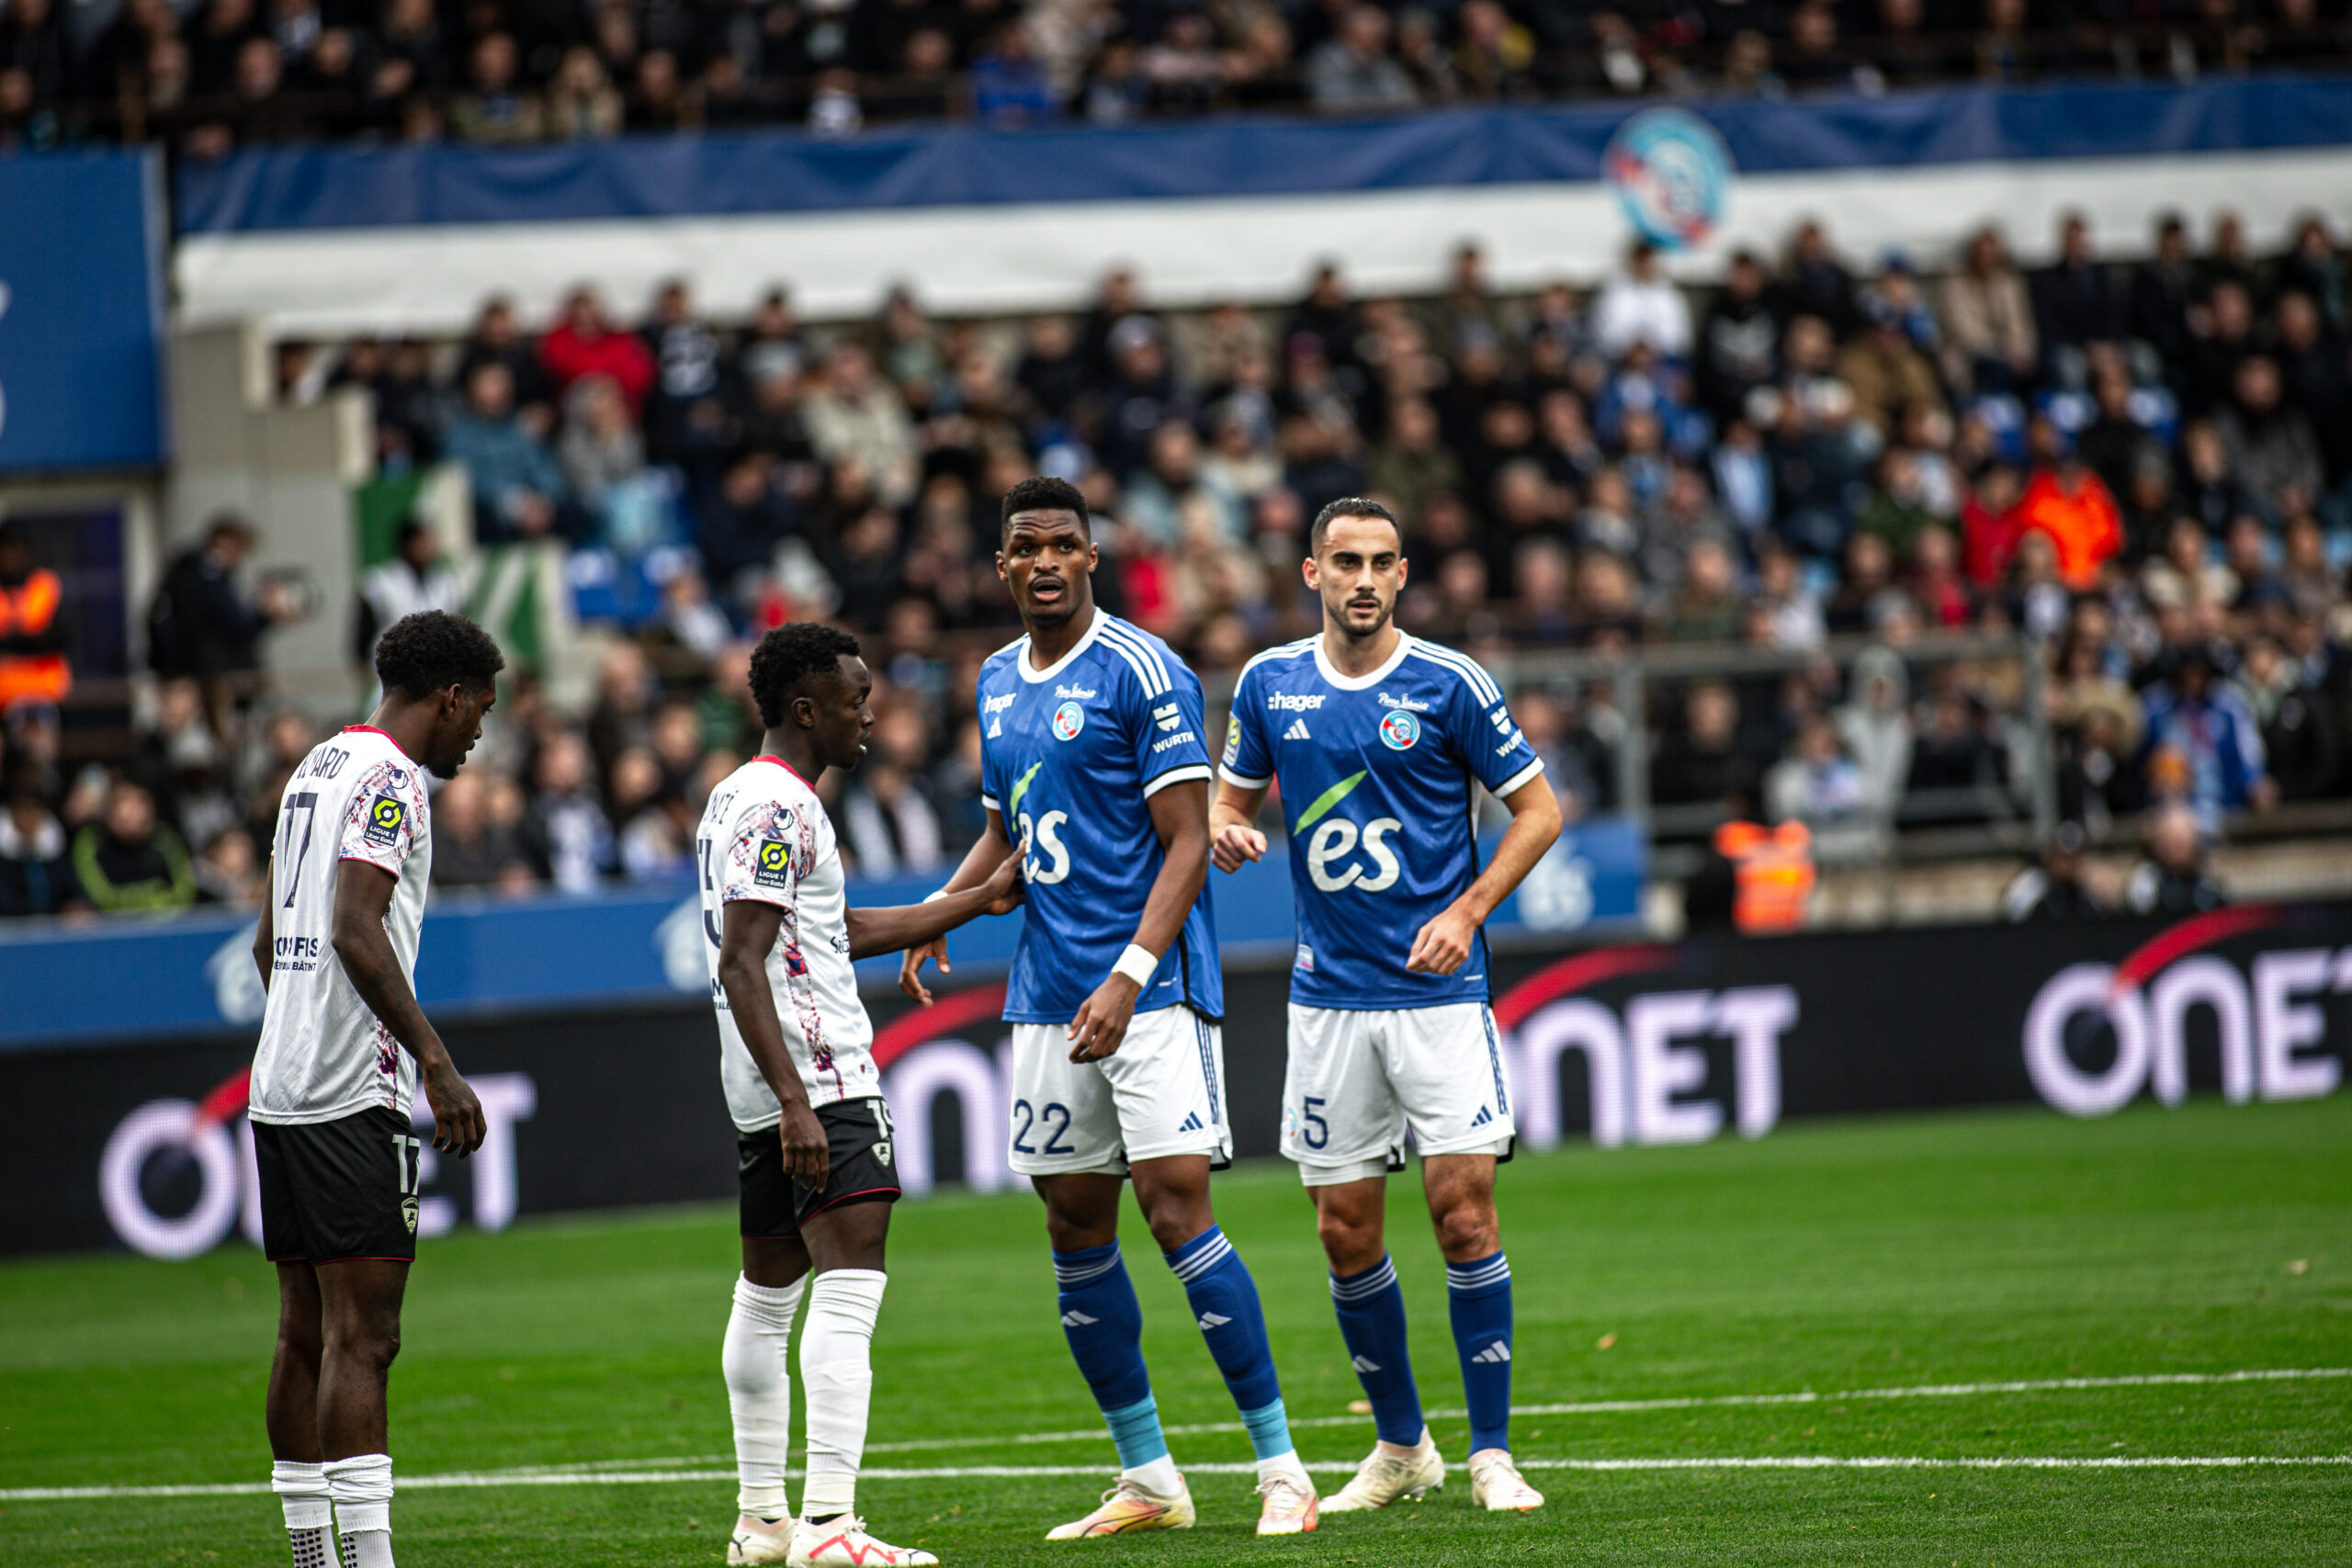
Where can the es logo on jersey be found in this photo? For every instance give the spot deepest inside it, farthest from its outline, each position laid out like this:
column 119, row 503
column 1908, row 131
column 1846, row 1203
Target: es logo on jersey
column 1399, row 729
column 772, row 864
column 1068, row 719
column 386, row 815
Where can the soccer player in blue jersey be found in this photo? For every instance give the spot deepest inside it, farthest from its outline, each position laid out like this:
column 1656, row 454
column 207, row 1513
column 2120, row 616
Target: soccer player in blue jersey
column 1380, row 743
column 1092, row 752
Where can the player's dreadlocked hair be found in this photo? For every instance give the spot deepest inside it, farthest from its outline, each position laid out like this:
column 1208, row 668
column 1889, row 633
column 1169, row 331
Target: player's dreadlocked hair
column 789, row 655
column 1042, row 492
column 434, row 650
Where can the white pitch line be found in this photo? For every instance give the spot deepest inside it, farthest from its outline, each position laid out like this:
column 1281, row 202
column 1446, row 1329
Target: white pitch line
column 642, row 1471
column 1688, row 1402
column 466, row 1480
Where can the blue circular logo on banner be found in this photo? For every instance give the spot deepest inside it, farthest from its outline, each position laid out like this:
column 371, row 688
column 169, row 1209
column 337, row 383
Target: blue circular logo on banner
column 1068, row 719
column 1673, row 174
column 1399, row 729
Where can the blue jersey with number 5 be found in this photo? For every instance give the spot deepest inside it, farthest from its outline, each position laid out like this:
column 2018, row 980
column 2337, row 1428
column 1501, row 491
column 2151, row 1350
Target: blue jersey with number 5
column 1070, row 758
column 1376, row 774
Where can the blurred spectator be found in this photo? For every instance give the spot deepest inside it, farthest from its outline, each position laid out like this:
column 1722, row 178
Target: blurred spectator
column 2075, row 305
column 35, row 879
column 585, row 343
column 1989, row 340
column 564, row 837
column 515, row 482
column 2172, row 880
column 1353, row 70
column 2203, row 749
column 2055, row 888
column 128, row 862
column 1639, row 305
column 1816, row 783
column 416, row 578
column 857, row 420
column 200, row 623
column 2269, row 446
column 468, row 849
column 2069, row 504
column 887, row 815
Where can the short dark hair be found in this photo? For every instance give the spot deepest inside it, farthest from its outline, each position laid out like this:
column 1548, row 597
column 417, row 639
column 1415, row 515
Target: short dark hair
column 434, row 650
column 791, row 654
column 1348, row 506
column 1042, row 493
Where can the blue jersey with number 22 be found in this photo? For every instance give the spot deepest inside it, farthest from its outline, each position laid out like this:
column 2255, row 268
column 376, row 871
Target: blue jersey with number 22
column 1070, row 758
column 1376, row 775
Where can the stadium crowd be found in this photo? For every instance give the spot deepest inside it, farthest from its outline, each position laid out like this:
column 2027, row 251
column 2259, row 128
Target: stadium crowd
column 210, row 76
column 2146, row 470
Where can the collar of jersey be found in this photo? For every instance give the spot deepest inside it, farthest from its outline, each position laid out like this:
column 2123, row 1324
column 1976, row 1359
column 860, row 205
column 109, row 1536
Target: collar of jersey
column 772, row 756
column 1085, row 641
column 1358, row 682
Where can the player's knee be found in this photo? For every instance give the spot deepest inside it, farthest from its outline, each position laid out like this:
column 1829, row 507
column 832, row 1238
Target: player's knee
column 1466, row 1231
column 1172, row 1226
column 1351, row 1243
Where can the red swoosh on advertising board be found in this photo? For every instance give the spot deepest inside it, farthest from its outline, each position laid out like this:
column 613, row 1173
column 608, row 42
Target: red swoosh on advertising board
column 1574, row 974
column 912, row 1028
column 227, row 1098
column 2197, row 932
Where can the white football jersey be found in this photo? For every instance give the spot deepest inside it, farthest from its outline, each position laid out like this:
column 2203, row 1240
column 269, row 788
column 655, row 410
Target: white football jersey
column 765, row 836
column 323, row 1055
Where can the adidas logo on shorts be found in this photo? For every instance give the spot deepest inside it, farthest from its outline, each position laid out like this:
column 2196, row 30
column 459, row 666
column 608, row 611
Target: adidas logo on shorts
column 1297, row 730
column 1483, row 1117
column 1191, row 1123
column 1494, row 1355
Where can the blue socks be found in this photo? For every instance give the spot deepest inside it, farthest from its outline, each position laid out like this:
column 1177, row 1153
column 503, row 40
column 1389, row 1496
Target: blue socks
column 1224, row 1302
column 1104, row 1328
column 1478, row 1300
column 1372, row 1320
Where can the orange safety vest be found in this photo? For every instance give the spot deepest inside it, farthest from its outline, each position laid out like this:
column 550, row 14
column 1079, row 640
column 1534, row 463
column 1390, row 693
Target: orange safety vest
column 1773, row 871
column 28, row 611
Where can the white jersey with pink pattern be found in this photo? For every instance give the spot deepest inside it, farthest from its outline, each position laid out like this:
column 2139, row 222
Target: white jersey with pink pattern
column 322, row 1055
column 765, row 836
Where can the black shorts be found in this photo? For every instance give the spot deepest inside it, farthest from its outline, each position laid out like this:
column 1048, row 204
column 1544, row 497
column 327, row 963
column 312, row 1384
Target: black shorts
column 863, row 1170
column 339, row 1191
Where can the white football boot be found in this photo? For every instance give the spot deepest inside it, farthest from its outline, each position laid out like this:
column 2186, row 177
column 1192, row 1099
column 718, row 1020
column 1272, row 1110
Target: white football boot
column 1385, row 1477
column 1290, row 1507
column 1496, row 1484
column 843, row 1543
column 760, row 1541
column 1127, row 1507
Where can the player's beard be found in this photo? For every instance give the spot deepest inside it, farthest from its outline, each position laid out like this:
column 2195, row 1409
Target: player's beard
column 1355, row 632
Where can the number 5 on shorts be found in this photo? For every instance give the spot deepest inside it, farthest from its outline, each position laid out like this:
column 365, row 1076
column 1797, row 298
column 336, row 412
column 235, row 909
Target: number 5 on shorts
column 1317, row 1130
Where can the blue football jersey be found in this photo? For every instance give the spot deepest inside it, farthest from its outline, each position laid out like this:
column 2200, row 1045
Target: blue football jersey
column 1376, row 776
column 1069, row 757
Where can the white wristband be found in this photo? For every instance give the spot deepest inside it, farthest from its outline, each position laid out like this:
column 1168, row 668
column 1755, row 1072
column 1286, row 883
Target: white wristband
column 934, row 898
column 1136, row 964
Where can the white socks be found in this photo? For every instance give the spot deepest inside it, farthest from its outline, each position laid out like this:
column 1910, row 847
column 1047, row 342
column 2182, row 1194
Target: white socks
column 837, row 1379
column 1157, row 1476
column 758, row 1393
column 310, row 1513
column 362, row 1489
column 1287, row 1464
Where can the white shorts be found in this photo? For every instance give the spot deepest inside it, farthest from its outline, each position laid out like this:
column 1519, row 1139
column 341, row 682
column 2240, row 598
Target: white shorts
column 1161, row 1094
column 1356, row 1080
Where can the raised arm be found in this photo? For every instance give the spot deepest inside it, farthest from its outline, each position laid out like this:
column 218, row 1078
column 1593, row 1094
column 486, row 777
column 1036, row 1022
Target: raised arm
column 1180, row 818
column 918, row 925
column 363, row 897
column 1441, row 945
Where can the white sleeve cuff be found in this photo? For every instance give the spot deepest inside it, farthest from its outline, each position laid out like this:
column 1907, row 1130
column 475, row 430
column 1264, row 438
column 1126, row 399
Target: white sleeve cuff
column 1176, row 776
column 1241, row 780
column 1516, row 779
column 989, row 801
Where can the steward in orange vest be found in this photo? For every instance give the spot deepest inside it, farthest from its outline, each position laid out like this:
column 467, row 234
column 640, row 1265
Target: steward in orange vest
column 32, row 634
column 1773, row 871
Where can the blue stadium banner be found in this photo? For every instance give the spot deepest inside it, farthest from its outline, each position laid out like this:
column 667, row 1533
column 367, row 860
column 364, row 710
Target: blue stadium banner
column 485, row 957
column 82, row 240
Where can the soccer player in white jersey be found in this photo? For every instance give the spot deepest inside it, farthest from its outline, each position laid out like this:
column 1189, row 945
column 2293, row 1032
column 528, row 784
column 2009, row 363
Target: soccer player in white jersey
column 1092, row 761
column 814, row 1149
column 1380, row 743
column 344, row 1046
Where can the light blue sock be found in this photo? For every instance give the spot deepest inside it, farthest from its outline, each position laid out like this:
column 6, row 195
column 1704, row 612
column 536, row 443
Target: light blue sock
column 1105, row 1326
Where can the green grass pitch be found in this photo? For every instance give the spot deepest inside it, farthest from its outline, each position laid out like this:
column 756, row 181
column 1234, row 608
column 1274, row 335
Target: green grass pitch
column 1953, row 1249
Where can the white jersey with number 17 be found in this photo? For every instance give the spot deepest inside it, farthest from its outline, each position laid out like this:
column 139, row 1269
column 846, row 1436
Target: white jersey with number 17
column 323, row 1055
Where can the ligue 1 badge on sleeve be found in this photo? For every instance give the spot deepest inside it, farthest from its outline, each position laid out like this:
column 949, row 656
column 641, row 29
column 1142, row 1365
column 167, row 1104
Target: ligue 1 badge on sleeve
column 1673, row 174
column 385, row 816
column 1068, row 719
